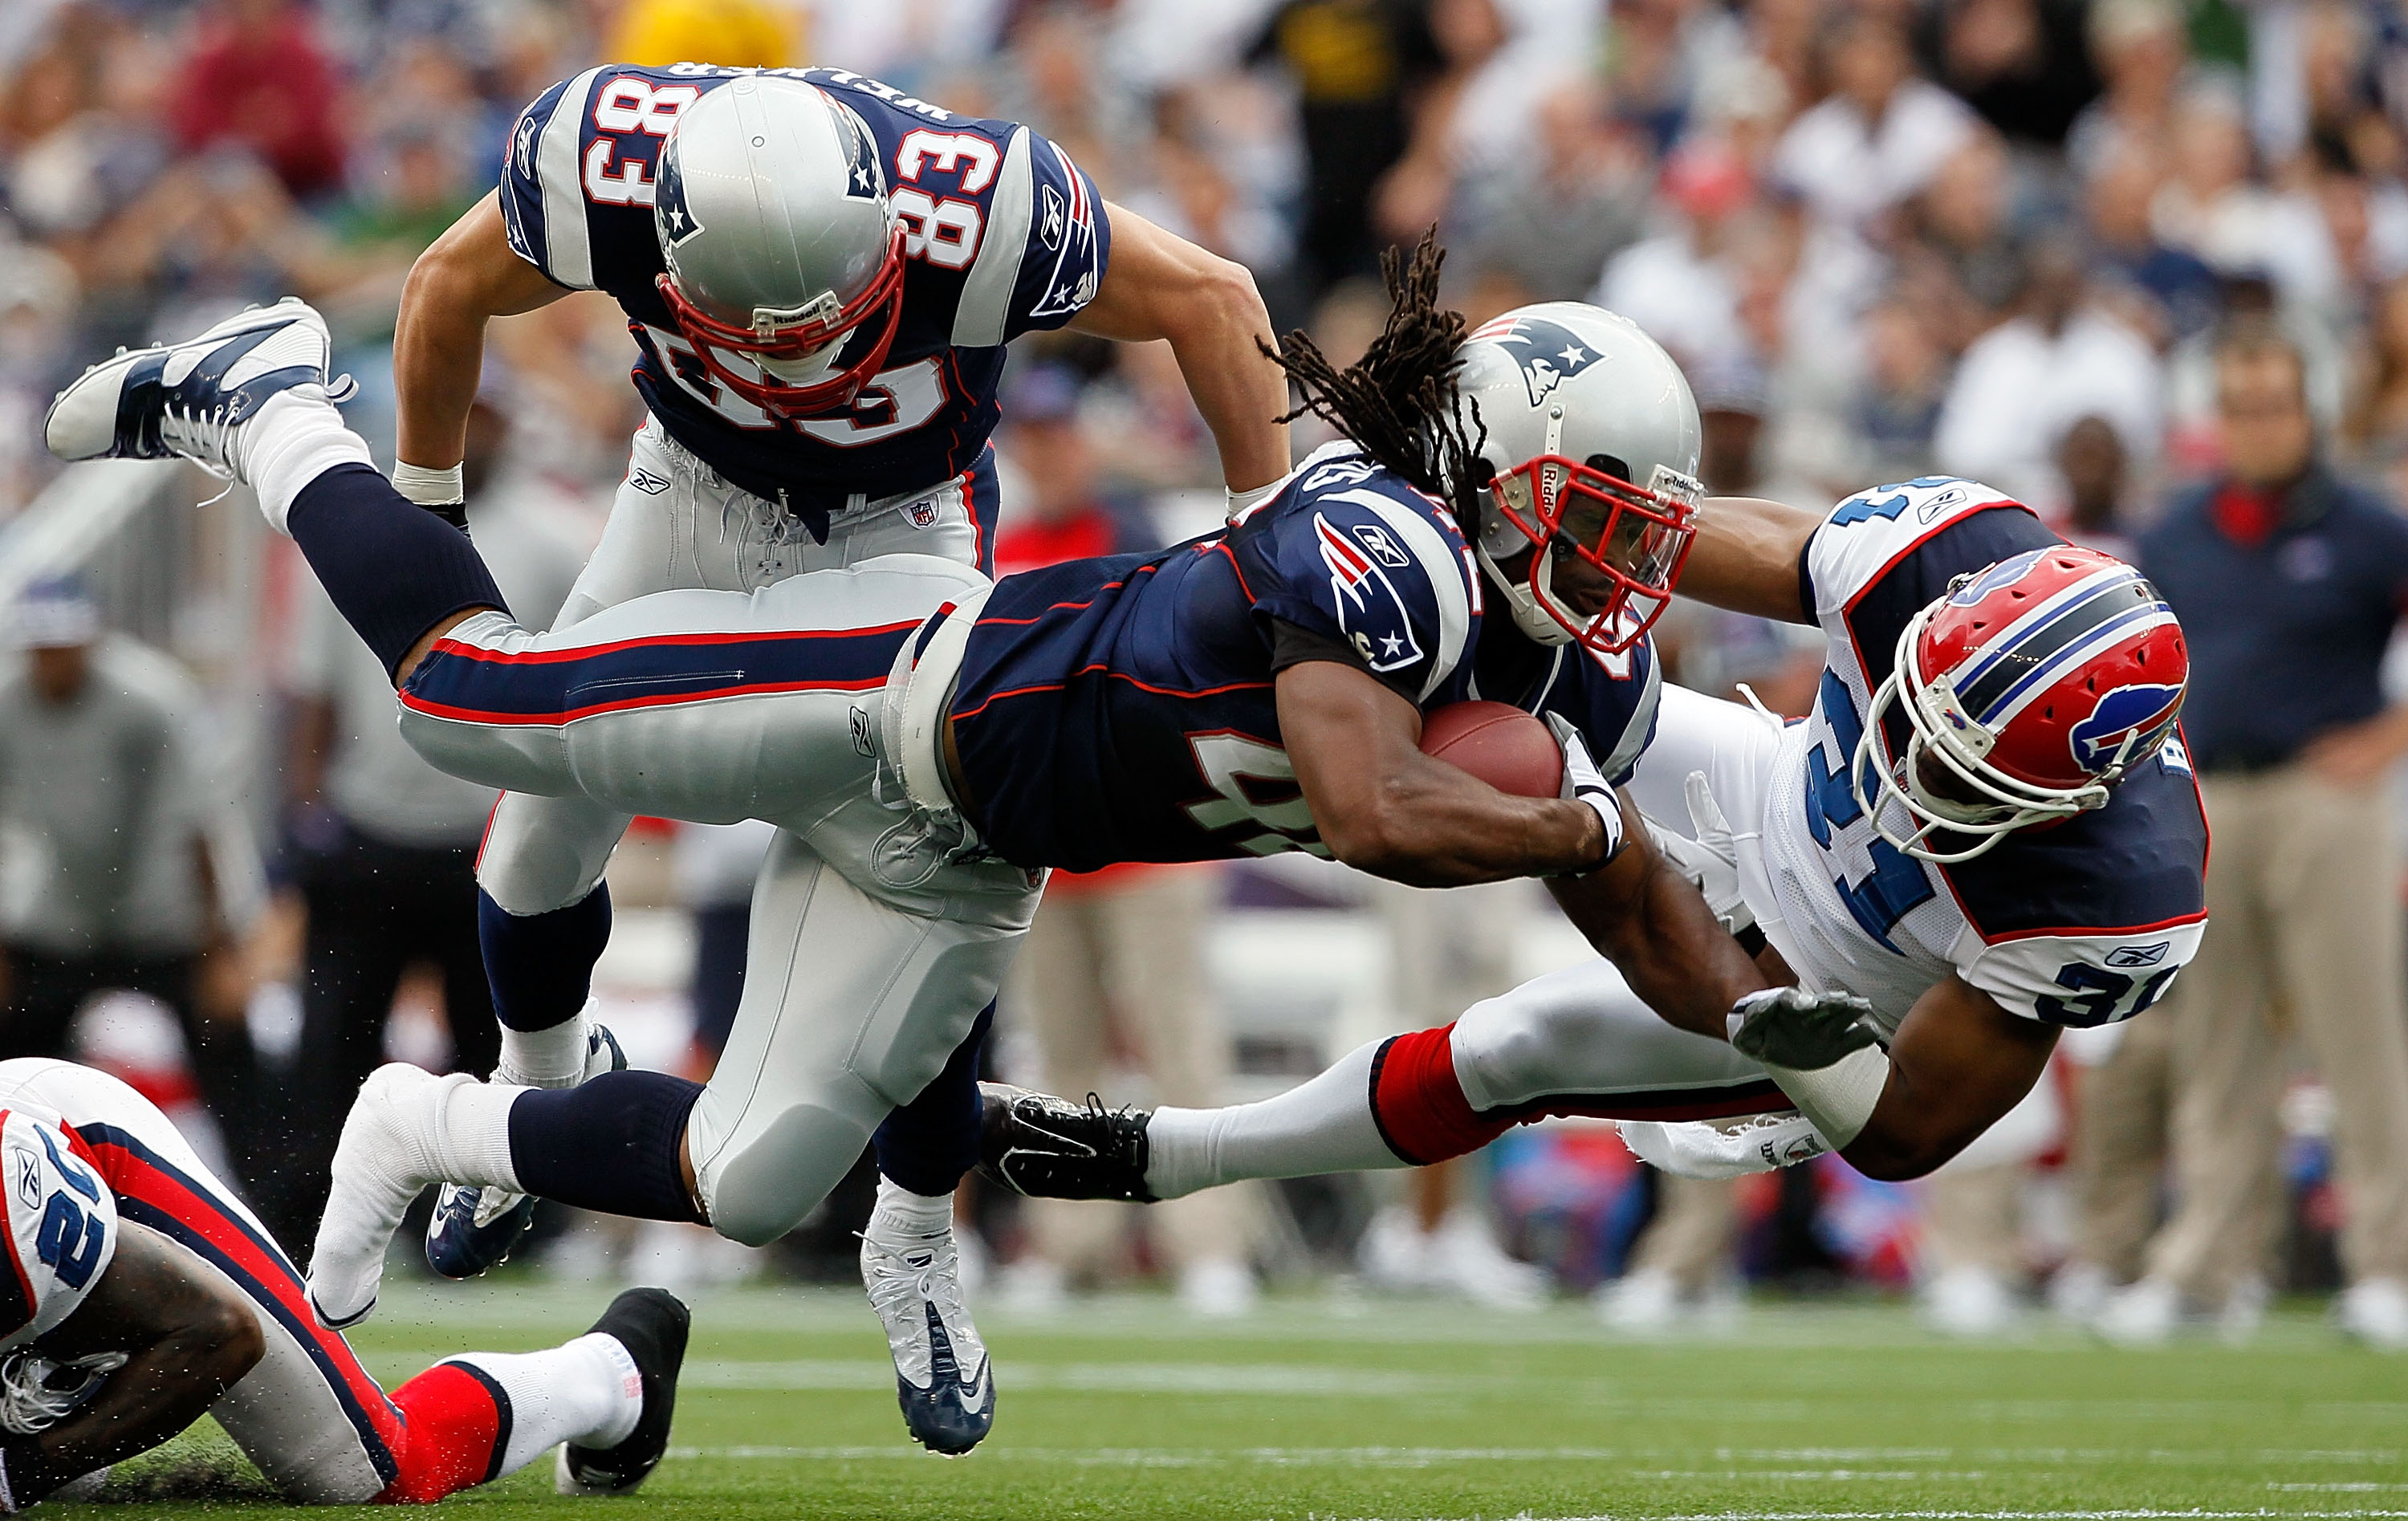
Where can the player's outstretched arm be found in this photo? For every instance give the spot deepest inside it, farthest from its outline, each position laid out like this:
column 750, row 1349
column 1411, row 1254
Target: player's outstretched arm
column 1641, row 913
column 1958, row 1064
column 187, row 1338
column 1745, row 558
column 1159, row 285
column 1384, row 807
column 464, row 279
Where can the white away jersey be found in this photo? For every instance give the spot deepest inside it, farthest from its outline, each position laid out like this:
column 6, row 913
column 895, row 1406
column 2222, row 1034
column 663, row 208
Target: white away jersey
column 2083, row 923
column 62, row 1222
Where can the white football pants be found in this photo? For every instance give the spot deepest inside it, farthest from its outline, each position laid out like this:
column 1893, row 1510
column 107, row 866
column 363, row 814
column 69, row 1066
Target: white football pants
column 676, row 525
column 874, row 946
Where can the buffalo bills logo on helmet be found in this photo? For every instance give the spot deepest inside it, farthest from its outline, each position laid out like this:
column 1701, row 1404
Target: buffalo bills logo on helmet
column 1549, row 353
column 1972, row 589
column 2130, row 722
column 668, row 196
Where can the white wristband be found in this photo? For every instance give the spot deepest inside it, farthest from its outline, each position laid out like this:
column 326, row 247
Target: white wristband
column 429, row 488
column 1242, row 501
column 1840, row 1097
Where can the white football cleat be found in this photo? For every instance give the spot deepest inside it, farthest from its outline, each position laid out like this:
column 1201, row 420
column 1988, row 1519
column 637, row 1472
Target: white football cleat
column 382, row 1164
column 2374, row 1311
column 941, row 1377
column 190, row 399
column 2145, row 1313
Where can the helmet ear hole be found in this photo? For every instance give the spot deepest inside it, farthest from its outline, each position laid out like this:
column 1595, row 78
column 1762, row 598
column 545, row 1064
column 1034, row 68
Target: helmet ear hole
column 1611, row 465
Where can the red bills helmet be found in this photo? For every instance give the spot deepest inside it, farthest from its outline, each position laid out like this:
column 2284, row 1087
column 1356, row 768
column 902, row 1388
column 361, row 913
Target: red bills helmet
column 2030, row 689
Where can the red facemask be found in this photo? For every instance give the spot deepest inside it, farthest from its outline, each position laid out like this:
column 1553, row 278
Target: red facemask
column 880, row 303
column 1636, row 538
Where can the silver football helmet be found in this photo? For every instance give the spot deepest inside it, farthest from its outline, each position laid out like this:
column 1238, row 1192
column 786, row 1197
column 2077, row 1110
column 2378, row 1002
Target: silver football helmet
column 780, row 242
column 1591, row 453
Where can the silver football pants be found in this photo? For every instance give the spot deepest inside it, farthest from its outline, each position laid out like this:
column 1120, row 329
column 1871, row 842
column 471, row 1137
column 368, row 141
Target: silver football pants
column 878, row 932
column 676, row 525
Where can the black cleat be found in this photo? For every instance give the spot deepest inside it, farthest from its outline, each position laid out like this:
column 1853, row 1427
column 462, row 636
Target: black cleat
column 1045, row 1147
column 652, row 1324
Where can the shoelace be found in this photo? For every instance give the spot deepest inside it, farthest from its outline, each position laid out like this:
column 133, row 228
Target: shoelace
column 899, row 1281
column 203, row 433
column 28, row 1401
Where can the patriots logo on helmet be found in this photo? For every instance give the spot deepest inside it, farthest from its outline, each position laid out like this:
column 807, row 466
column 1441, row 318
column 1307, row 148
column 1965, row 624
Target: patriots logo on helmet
column 1549, row 353
column 668, row 196
column 2137, row 716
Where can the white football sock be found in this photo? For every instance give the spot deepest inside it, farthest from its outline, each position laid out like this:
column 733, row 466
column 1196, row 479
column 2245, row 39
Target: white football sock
column 551, row 1057
column 903, row 1212
column 589, row 1392
column 1324, row 1125
column 294, row 438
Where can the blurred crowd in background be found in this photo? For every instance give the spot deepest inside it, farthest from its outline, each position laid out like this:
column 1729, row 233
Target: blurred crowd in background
column 1886, row 238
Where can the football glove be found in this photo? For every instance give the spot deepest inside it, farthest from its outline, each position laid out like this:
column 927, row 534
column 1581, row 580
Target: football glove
column 1789, row 1026
column 1710, row 859
column 1585, row 784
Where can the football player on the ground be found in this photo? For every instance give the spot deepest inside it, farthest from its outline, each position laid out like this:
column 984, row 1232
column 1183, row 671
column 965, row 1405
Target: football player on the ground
column 1988, row 829
column 820, row 273
column 140, row 1294
column 931, row 741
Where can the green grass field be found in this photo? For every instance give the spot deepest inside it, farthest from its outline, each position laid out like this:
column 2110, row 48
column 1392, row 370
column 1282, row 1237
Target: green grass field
column 1337, row 1408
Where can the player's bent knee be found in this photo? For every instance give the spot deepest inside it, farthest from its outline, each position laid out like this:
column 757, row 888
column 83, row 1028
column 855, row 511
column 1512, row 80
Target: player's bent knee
column 761, row 1186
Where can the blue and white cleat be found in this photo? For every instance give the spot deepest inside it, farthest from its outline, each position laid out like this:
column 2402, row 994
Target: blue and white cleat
column 474, row 1230
column 941, row 1376
column 190, row 400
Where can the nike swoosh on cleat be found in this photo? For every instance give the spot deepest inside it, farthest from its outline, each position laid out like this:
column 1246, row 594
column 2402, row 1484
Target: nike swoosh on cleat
column 976, row 1393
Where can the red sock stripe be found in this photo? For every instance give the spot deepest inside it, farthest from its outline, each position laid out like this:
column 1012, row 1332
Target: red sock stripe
column 154, row 1192
column 1419, row 1106
column 459, row 1423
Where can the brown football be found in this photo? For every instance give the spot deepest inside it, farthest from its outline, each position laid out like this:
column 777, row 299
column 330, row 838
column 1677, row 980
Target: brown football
column 1498, row 742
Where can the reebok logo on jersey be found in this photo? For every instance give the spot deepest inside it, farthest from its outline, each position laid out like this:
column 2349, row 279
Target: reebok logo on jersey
column 1370, row 612
column 522, row 148
column 1344, row 472
column 646, row 483
column 1548, row 352
column 860, row 717
column 1382, row 548
column 2139, row 956
column 1049, row 225
column 29, row 1176
column 2128, row 721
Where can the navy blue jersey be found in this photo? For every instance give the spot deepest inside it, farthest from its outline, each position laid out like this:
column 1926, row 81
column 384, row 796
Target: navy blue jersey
column 1122, row 710
column 1003, row 235
column 2081, row 922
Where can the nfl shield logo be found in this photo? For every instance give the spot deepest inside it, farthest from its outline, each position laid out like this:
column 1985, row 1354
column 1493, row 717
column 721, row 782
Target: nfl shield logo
column 924, row 514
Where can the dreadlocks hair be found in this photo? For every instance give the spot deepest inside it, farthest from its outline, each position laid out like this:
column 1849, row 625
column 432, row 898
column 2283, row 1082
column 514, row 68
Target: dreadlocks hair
column 1398, row 403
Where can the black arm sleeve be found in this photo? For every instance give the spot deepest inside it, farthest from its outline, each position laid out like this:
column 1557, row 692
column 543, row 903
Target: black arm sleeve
column 1292, row 645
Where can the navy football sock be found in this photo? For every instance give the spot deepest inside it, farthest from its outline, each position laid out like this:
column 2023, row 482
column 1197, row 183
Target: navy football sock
column 610, row 1144
column 393, row 569
column 927, row 1144
column 541, row 965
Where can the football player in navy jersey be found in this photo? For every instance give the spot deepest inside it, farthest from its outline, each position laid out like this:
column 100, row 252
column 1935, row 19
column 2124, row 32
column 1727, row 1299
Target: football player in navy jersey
column 929, row 741
column 1987, row 829
column 820, row 273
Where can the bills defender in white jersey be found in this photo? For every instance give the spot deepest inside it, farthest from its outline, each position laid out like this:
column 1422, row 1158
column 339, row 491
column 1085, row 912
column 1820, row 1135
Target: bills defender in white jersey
column 1987, row 829
column 820, row 274
column 139, row 1294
